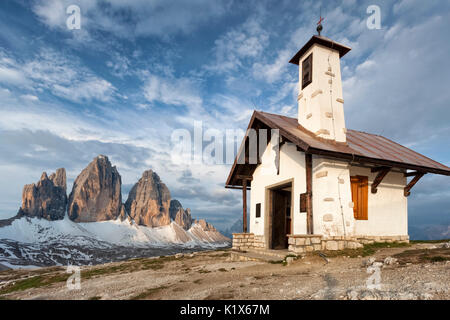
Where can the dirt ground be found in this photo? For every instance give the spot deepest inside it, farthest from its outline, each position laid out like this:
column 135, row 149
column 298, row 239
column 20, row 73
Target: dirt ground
column 417, row 271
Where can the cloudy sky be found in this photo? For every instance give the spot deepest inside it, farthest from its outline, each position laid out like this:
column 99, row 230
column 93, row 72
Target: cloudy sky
column 139, row 70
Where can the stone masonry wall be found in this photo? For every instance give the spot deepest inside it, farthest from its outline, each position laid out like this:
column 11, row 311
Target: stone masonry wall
column 242, row 241
column 309, row 243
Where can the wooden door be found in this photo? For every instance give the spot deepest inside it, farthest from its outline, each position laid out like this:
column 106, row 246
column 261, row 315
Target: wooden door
column 360, row 194
column 281, row 218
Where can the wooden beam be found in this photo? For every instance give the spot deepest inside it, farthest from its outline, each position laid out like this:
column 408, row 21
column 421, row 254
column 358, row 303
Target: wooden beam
column 244, row 177
column 412, row 183
column 244, row 205
column 380, row 176
column 309, row 208
column 410, row 174
column 378, row 169
column 236, row 187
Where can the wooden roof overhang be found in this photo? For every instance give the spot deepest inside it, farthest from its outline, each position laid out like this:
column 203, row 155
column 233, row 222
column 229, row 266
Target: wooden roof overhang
column 361, row 148
column 323, row 41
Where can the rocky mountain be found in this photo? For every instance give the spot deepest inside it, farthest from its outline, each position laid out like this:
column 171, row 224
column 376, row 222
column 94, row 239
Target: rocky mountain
column 181, row 216
column 236, row 227
column 98, row 227
column 96, row 193
column 47, row 198
column 148, row 202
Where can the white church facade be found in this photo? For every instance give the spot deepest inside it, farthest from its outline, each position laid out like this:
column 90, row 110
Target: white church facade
column 313, row 183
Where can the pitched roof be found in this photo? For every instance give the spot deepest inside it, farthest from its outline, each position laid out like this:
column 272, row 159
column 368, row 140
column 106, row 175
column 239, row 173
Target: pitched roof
column 360, row 147
column 321, row 40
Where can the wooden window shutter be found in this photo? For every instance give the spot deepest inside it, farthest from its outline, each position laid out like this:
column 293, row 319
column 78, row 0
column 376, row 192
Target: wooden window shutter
column 307, row 71
column 360, row 194
column 364, row 188
column 258, row 210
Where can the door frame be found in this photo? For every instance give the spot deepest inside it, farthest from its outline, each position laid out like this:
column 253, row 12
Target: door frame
column 268, row 208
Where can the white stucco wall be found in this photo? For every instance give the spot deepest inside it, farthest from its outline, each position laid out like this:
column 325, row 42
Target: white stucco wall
column 388, row 208
column 332, row 200
column 292, row 166
column 320, row 98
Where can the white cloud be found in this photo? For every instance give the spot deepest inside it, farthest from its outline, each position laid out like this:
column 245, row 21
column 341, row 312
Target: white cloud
column 273, row 71
column 52, row 12
column 64, row 76
column 29, row 97
column 119, row 65
column 246, row 41
column 402, row 81
column 132, row 17
column 11, row 76
column 85, row 90
column 172, row 91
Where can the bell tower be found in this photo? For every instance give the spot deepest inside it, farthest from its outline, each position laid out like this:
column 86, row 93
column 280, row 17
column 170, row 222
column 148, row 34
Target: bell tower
column 320, row 99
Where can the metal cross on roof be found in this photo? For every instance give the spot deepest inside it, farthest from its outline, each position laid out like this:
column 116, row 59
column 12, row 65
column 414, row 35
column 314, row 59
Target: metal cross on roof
column 320, row 21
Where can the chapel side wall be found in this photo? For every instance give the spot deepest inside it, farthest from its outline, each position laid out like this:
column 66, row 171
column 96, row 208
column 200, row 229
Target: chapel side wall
column 332, row 199
column 292, row 167
column 387, row 209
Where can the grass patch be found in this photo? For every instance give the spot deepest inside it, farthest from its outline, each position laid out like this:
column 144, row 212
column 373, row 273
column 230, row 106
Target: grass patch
column 366, row 250
column 219, row 255
column 370, row 249
column 127, row 267
column 46, row 277
column 34, row 282
column 429, row 241
column 438, row 259
column 148, row 293
column 423, row 256
column 276, row 261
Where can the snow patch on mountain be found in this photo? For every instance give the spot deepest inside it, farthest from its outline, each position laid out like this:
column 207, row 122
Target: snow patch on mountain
column 39, row 242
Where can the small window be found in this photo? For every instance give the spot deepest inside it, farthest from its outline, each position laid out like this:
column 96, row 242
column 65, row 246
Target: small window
column 258, row 210
column 307, row 71
column 303, row 197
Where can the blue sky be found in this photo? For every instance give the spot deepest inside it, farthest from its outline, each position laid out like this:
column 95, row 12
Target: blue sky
column 138, row 70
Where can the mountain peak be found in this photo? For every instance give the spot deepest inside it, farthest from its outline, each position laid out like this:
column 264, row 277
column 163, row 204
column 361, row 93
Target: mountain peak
column 47, row 199
column 96, row 193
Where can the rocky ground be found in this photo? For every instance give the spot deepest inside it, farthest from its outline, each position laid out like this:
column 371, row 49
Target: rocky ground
column 415, row 271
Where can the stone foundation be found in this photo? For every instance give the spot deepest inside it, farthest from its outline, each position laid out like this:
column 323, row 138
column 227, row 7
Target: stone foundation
column 304, row 243
column 313, row 242
column 243, row 241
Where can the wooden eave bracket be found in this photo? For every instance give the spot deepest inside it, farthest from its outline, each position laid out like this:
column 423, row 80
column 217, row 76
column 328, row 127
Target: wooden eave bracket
column 382, row 172
column 412, row 183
